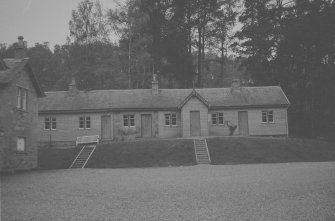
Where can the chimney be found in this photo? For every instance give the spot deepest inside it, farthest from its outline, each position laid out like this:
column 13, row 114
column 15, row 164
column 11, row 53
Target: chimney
column 154, row 84
column 20, row 48
column 236, row 85
column 73, row 85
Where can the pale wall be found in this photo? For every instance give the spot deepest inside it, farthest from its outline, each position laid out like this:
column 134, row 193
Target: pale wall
column 223, row 130
column 168, row 131
column 68, row 127
column 256, row 127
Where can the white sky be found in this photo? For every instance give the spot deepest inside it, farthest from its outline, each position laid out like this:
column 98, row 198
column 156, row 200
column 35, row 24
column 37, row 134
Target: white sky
column 38, row 20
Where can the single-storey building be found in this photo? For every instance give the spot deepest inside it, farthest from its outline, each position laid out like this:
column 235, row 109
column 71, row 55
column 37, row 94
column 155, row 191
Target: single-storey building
column 162, row 113
column 19, row 91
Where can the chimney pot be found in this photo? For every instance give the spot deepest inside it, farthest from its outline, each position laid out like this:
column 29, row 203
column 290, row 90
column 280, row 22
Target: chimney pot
column 236, row 84
column 20, row 48
column 73, row 85
column 154, row 84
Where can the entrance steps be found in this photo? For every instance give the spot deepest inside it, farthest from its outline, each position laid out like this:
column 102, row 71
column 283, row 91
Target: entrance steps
column 201, row 151
column 83, row 156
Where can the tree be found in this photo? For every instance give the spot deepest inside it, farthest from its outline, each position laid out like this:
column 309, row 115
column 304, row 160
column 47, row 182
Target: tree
column 88, row 24
column 291, row 43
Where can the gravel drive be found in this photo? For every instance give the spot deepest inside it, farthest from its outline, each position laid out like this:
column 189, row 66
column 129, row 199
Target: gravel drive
column 288, row 191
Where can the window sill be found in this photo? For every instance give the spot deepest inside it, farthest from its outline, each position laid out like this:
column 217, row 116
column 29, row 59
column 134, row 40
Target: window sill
column 268, row 122
column 21, row 110
column 171, row 125
column 21, row 152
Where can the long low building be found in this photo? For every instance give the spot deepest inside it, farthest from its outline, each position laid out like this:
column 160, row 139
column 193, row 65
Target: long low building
column 162, row 113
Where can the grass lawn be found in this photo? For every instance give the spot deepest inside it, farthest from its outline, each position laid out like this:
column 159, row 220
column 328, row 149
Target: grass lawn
column 241, row 150
column 290, row 191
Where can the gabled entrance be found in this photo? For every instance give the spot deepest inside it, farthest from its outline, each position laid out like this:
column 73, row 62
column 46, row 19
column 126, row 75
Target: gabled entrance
column 146, row 125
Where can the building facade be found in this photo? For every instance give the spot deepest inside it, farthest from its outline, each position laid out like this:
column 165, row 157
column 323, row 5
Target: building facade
column 19, row 92
column 162, row 113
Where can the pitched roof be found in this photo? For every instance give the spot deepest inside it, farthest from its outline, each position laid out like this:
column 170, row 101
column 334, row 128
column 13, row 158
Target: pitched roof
column 15, row 67
column 145, row 99
column 194, row 93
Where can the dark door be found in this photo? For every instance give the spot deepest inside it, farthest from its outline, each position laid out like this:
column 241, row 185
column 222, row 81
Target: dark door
column 106, row 127
column 195, row 123
column 243, row 123
column 146, row 125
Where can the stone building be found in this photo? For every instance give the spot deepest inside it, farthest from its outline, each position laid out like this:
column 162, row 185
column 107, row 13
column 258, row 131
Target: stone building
column 19, row 92
column 162, row 113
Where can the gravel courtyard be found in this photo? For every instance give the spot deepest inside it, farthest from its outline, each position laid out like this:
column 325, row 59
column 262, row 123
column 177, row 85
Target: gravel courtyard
column 290, row 191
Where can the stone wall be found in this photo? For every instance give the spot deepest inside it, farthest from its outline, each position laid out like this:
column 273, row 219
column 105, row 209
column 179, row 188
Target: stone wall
column 19, row 123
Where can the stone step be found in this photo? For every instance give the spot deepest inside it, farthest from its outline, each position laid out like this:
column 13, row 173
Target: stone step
column 201, row 151
column 83, row 156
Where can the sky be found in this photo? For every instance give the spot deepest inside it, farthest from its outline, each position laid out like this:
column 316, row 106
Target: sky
column 38, row 21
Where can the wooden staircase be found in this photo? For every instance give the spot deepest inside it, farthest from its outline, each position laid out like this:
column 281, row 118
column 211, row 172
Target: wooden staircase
column 201, row 151
column 83, row 156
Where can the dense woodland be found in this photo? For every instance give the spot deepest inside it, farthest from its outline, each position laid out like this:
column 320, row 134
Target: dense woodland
column 201, row 43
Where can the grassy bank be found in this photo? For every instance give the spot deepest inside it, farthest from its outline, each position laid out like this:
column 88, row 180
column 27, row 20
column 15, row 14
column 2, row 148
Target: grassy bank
column 238, row 150
column 149, row 153
column 223, row 150
column 56, row 158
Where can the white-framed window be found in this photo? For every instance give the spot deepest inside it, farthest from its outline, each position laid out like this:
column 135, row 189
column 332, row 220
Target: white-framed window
column 129, row 120
column 50, row 123
column 171, row 119
column 267, row 117
column 21, row 144
column 217, row 118
column 22, row 98
column 84, row 122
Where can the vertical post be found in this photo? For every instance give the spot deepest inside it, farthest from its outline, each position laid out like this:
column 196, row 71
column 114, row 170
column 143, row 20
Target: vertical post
column 50, row 141
column 287, row 135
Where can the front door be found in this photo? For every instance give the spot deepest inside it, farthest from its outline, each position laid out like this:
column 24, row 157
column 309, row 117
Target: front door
column 146, row 123
column 195, row 123
column 106, row 127
column 243, row 123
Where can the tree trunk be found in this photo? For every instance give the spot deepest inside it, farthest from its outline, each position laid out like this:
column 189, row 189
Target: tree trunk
column 129, row 63
column 189, row 28
column 199, row 57
column 203, row 55
column 222, row 58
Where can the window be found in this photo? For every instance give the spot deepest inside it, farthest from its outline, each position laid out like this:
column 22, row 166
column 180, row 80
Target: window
column 129, row 120
column 21, row 144
column 217, row 118
column 50, row 123
column 22, row 98
column 171, row 119
column 267, row 117
column 85, row 122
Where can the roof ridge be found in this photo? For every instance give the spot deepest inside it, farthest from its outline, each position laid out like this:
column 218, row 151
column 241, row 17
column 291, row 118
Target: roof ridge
column 149, row 89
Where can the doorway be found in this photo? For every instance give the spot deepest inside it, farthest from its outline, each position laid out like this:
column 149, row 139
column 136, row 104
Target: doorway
column 195, row 128
column 146, row 125
column 243, row 123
